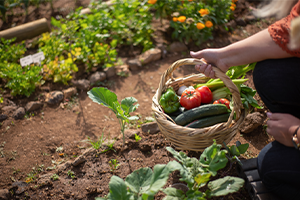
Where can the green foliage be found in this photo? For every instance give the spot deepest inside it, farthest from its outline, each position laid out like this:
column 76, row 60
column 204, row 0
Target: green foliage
column 194, row 20
column 113, row 164
column 96, row 144
column 137, row 137
column 71, row 174
column 21, row 80
column 145, row 183
column 9, row 52
column 54, row 177
column 105, row 97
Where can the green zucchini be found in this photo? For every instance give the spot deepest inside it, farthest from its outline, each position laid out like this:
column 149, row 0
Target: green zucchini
column 209, row 121
column 200, row 112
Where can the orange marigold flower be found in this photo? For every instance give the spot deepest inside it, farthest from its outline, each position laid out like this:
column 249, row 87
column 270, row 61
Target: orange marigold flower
column 200, row 26
column 208, row 24
column 232, row 4
column 152, row 1
column 175, row 19
column 232, row 8
column 203, row 12
column 182, row 19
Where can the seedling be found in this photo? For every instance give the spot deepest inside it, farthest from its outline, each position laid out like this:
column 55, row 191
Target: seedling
column 113, row 163
column 96, row 144
column 71, row 174
column 54, row 177
column 107, row 98
column 137, row 137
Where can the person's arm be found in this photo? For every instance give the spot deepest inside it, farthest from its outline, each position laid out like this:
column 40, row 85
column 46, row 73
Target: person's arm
column 282, row 127
column 257, row 47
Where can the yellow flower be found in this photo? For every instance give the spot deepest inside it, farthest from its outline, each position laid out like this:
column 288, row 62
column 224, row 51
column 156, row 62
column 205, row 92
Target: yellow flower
column 175, row 19
column 203, row 12
column 200, row 26
column 182, row 19
column 232, row 8
column 208, row 24
column 152, row 1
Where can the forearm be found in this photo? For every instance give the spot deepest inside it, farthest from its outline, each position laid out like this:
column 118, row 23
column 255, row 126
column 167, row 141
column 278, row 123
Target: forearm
column 252, row 49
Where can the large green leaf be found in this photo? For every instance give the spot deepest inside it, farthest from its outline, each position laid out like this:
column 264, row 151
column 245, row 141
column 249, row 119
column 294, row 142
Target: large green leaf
column 213, row 158
column 202, row 178
column 173, row 194
column 105, row 97
column 118, row 189
column 226, row 185
column 139, row 179
column 127, row 104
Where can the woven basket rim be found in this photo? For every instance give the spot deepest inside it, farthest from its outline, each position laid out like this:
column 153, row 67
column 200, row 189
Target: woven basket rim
column 196, row 139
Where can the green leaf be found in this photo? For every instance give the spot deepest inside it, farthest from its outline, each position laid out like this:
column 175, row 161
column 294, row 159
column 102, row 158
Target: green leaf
column 243, row 148
column 138, row 180
column 213, row 158
column 118, row 189
column 173, row 194
column 106, row 98
column 127, row 105
column 202, row 178
column 226, row 185
column 234, row 151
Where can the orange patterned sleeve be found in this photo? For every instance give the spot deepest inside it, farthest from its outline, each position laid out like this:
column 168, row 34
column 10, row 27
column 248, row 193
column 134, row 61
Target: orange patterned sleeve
column 279, row 31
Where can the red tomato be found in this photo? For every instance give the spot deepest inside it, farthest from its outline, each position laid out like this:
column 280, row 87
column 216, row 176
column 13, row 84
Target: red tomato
column 223, row 101
column 190, row 98
column 206, row 95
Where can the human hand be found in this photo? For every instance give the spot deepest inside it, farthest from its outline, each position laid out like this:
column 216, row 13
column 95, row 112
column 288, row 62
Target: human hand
column 212, row 58
column 282, row 127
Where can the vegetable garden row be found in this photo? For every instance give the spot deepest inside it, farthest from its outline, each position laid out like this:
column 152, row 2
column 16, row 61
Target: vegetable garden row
column 93, row 40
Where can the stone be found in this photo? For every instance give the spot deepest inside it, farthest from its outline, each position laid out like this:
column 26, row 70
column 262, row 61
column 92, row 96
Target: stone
column 134, row 64
column 19, row 113
column 82, row 84
column 33, row 105
column 129, row 134
column 68, row 93
column 9, row 109
column 177, row 47
column 3, row 117
column 240, row 22
column 45, row 179
column 97, row 77
column 110, row 72
column 251, row 122
column 150, row 127
column 78, row 161
column 54, row 97
column 4, row 194
column 21, row 185
column 150, row 56
column 122, row 70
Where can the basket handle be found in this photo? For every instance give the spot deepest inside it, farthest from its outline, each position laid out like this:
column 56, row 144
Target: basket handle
column 237, row 103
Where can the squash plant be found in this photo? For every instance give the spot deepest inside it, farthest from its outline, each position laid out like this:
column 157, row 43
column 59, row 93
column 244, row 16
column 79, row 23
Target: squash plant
column 144, row 183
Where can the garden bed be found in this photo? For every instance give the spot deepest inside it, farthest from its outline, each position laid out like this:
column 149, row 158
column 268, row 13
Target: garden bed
column 53, row 135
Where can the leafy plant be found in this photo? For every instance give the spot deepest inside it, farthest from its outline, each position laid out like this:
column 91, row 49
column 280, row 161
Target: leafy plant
column 137, row 137
column 54, row 177
column 105, row 97
column 113, row 163
column 236, row 150
column 71, row 174
column 9, row 52
column 21, row 81
column 144, row 184
column 96, row 144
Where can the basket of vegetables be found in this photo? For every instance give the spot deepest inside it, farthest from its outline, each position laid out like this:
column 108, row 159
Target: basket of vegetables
column 194, row 110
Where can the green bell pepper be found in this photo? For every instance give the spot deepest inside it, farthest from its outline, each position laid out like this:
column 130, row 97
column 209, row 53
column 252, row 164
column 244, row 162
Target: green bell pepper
column 169, row 101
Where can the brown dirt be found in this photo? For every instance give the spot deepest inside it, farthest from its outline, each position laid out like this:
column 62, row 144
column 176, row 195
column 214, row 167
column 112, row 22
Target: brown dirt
column 30, row 145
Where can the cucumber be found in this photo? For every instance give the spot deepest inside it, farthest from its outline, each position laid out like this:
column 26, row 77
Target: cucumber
column 209, row 121
column 200, row 112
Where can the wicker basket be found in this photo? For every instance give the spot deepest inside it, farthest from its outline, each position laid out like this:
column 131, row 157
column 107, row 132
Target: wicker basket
column 196, row 139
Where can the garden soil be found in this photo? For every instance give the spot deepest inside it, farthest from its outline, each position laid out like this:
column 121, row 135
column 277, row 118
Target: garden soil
column 54, row 139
